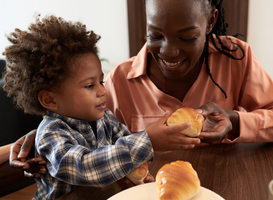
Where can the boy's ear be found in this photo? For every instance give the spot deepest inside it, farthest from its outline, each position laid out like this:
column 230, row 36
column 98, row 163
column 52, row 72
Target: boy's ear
column 46, row 99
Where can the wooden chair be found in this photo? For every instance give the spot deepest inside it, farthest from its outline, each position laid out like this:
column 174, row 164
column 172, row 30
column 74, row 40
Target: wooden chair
column 12, row 179
column 13, row 124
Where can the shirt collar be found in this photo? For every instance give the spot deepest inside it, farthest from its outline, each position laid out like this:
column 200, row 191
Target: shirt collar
column 72, row 122
column 211, row 46
column 139, row 63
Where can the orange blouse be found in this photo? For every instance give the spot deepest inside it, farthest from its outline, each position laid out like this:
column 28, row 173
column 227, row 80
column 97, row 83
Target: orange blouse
column 137, row 102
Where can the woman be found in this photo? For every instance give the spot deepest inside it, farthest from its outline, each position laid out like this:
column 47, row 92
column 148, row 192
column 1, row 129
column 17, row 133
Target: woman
column 187, row 63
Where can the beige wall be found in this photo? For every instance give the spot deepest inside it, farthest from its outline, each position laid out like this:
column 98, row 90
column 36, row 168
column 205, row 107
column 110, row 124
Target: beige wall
column 260, row 30
column 107, row 18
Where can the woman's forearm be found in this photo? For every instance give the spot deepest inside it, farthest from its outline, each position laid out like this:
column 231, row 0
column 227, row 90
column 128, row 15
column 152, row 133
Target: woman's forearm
column 4, row 153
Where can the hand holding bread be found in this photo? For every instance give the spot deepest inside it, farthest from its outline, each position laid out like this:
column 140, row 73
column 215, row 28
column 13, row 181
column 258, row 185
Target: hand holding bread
column 186, row 114
column 138, row 174
column 166, row 138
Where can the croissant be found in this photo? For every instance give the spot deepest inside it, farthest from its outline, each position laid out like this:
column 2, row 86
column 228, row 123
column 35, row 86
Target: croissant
column 186, row 114
column 139, row 173
column 177, row 181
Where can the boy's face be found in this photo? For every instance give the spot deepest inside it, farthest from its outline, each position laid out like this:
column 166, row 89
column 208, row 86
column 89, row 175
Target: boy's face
column 82, row 95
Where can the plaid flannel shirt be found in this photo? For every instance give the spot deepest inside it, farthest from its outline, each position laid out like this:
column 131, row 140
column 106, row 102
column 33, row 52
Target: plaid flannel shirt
column 75, row 157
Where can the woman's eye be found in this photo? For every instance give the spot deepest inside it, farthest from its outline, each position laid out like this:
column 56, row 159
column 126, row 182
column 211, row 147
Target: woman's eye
column 154, row 37
column 188, row 39
column 102, row 82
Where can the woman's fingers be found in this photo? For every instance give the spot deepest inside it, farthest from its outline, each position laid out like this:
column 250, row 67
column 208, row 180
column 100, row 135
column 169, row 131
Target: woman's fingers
column 27, row 144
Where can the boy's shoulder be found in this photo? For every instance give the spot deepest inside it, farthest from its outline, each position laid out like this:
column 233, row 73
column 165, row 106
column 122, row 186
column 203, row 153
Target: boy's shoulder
column 49, row 122
column 53, row 122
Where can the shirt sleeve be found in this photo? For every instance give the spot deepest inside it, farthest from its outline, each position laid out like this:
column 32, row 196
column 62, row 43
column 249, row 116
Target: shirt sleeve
column 256, row 122
column 78, row 165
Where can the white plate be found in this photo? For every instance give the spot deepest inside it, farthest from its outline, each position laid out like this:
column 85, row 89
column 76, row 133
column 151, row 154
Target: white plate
column 148, row 191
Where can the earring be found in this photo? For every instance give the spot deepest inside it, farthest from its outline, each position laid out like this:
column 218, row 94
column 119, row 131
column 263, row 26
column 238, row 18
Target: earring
column 209, row 28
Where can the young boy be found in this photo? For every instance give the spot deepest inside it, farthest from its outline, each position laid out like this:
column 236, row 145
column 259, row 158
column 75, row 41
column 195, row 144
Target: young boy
column 54, row 70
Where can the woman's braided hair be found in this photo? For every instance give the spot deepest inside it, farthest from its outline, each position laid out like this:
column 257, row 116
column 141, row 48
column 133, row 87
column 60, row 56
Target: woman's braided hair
column 220, row 28
column 39, row 59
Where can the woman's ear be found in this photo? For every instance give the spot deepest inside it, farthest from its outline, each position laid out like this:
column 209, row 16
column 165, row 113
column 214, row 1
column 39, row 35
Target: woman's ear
column 46, row 99
column 212, row 20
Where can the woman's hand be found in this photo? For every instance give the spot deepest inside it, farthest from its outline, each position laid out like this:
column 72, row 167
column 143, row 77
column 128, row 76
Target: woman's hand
column 217, row 123
column 166, row 138
column 19, row 156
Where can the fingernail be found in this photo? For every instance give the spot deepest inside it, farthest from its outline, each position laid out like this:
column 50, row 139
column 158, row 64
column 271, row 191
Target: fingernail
column 21, row 155
column 199, row 110
column 37, row 175
column 43, row 170
column 42, row 162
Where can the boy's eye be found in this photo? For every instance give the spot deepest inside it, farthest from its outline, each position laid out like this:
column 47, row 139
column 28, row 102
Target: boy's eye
column 89, row 86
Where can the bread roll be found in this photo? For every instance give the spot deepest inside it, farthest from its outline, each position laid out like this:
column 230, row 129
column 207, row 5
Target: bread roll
column 139, row 173
column 177, row 181
column 183, row 115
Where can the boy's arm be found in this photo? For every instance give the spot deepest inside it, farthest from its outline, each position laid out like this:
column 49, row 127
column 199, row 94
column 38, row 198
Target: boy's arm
column 79, row 165
column 162, row 137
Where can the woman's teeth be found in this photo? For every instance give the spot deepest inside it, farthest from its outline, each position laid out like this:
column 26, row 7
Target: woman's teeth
column 169, row 64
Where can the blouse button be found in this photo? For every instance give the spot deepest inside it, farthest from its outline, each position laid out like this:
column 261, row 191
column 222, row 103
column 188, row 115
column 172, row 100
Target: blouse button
column 93, row 142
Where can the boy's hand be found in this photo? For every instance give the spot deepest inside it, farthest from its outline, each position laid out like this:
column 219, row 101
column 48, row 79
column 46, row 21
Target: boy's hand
column 149, row 178
column 166, row 138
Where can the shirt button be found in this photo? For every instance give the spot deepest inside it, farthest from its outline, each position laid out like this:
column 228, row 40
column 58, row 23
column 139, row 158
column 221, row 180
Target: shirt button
column 82, row 126
column 93, row 142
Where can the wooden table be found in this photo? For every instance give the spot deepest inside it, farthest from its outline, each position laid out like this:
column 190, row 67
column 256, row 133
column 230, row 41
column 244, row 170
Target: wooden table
column 234, row 171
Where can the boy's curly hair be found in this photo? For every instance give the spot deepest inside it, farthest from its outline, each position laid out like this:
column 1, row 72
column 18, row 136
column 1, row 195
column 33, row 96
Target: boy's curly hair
column 38, row 59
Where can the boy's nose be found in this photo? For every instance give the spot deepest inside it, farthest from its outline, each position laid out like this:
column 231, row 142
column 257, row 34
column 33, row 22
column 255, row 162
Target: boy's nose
column 101, row 91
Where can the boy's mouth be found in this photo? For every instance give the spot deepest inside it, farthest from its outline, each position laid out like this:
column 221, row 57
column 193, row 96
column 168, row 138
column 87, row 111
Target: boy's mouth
column 102, row 105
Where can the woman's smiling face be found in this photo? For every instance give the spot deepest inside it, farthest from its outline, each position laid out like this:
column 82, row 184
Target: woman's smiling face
column 176, row 33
